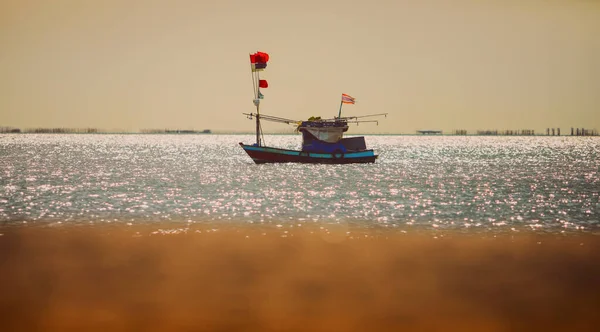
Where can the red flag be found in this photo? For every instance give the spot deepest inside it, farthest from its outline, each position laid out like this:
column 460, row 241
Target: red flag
column 263, row 84
column 259, row 57
column 262, row 57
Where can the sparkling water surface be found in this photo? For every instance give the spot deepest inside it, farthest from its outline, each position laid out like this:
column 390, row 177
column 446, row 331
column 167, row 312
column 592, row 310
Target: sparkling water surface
column 470, row 183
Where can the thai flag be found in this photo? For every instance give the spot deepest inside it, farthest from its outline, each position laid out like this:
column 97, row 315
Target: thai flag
column 346, row 99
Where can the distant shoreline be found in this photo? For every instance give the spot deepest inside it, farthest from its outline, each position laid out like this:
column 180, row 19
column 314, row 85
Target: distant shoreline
column 425, row 133
column 275, row 133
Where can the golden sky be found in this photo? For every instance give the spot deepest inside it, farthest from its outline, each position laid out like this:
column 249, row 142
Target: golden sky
column 430, row 64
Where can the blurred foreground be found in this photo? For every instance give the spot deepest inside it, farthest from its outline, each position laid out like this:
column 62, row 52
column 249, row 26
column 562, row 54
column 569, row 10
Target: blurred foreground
column 131, row 279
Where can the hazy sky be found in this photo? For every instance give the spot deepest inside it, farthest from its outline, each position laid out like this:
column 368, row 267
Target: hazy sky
column 460, row 64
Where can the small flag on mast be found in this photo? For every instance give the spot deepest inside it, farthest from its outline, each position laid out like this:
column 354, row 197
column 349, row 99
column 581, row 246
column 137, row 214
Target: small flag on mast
column 260, row 95
column 256, row 68
column 259, row 59
column 346, row 99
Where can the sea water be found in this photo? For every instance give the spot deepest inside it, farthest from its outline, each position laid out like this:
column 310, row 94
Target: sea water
column 470, row 183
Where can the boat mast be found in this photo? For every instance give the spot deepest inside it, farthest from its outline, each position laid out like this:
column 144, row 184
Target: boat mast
column 258, row 62
column 257, row 103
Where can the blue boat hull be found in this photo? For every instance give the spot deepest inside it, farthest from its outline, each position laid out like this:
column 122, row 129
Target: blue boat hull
column 263, row 155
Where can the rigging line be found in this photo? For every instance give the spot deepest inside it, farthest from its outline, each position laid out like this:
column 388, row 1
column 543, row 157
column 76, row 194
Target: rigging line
column 345, row 118
column 272, row 119
column 278, row 119
column 253, row 83
column 262, row 135
column 257, row 74
column 257, row 77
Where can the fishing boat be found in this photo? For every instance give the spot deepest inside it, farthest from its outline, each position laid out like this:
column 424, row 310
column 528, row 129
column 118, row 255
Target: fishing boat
column 323, row 140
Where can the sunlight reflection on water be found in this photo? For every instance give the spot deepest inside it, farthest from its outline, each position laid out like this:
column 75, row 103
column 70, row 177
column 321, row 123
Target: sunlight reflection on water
column 447, row 182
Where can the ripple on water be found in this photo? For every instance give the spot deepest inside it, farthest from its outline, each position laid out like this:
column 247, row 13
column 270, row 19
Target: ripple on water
column 462, row 182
